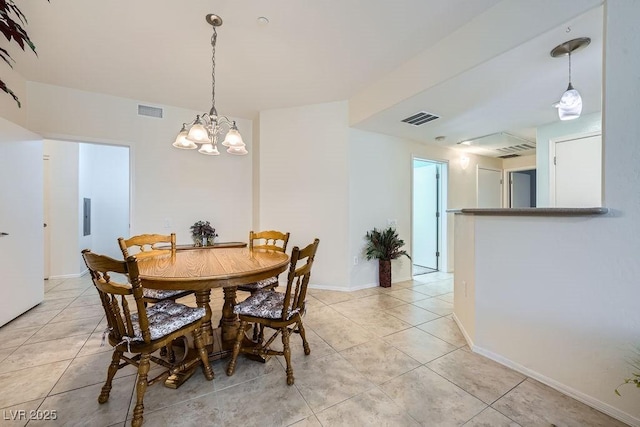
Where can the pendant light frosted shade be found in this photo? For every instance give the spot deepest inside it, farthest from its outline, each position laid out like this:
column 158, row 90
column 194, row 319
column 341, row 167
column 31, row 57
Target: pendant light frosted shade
column 570, row 105
column 233, row 139
column 237, row 151
column 209, row 149
column 182, row 141
column 198, row 134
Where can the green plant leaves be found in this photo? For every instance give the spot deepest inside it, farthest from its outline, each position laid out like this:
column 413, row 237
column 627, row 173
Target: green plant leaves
column 384, row 244
column 13, row 30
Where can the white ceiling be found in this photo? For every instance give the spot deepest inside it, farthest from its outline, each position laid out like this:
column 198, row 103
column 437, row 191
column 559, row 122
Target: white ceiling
column 159, row 52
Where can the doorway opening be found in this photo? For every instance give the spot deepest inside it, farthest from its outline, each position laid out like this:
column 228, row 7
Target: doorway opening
column 522, row 188
column 429, row 199
column 76, row 174
column 489, row 188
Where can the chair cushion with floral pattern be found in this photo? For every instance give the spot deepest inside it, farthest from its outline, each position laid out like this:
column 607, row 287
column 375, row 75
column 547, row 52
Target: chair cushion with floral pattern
column 260, row 284
column 166, row 317
column 267, row 305
column 161, row 294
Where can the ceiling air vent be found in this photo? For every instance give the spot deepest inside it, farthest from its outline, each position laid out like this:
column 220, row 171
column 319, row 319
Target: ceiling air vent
column 508, row 156
column 420, row 118
column 516, row 148
column 146, row 110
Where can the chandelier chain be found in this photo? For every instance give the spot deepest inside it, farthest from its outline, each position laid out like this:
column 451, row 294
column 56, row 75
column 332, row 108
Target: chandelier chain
column 214, row 37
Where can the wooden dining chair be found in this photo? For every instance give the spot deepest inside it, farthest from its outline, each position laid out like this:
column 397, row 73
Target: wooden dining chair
column 281, row 311
column 270, row 240
column 144, row 331
column 145, row 245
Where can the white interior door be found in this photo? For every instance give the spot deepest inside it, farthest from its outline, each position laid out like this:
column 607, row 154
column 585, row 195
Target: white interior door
column 489, row 190
column 21, row 243
column 578, row 172
column 425, row 211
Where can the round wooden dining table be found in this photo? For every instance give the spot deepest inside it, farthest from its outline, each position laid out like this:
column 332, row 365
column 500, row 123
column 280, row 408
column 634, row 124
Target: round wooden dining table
column 201, row 270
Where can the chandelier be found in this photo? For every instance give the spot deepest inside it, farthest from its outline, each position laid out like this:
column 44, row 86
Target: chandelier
column 207, row 128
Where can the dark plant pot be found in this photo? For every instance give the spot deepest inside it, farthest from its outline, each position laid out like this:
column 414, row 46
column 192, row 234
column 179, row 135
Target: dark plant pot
column 384, row 273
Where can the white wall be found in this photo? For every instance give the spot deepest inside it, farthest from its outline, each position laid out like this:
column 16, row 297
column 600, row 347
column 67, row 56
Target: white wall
column 64, row 214
column 304, row 162
column 512, row 23
column 171, row 188
column 380, row 189
column 85, row 185
column 107, row 185
column 520, row 162
column 563, row 308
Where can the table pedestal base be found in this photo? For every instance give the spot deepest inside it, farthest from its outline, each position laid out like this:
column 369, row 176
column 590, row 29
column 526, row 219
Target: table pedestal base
column 176, row 380
column 217, row 350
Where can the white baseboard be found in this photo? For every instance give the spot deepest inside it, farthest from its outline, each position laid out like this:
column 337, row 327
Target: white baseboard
column 466, row 336
column 562, row 388
column 340, row 288
column 69, row 276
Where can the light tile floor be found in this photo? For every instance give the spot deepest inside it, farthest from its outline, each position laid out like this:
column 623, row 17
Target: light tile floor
column 379, row 357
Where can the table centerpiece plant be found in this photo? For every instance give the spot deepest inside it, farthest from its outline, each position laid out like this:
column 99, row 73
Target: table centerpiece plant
column 203, row 233
column 384, row 245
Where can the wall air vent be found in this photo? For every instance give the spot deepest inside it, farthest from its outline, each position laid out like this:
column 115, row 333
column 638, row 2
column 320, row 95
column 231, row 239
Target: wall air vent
column 146, row 110
column 420, row 118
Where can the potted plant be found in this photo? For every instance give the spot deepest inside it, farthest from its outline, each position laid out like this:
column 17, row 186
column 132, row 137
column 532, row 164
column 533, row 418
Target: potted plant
column 384, row 245
column 202, row 233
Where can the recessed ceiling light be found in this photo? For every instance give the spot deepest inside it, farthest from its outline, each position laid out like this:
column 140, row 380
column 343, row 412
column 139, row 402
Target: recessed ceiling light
column 262, row 20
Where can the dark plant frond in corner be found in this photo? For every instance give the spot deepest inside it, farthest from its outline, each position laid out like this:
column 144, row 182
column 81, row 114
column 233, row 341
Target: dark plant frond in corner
column 11, row 25
column 384, row 244
column 10, row 92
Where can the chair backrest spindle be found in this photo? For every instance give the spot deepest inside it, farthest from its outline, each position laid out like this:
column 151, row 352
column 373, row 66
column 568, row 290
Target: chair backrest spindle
column 113, row 294
column 298, row 278
column 146, row 244
column 269, row 240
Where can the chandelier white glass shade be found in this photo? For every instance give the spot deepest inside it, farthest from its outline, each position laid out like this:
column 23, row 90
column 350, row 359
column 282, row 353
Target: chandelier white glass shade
column 570, row 105
column 207, row 129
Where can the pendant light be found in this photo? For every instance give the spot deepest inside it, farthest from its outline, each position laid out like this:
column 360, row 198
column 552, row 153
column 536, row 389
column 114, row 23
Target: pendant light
column 206, row 129
column 570, row 105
